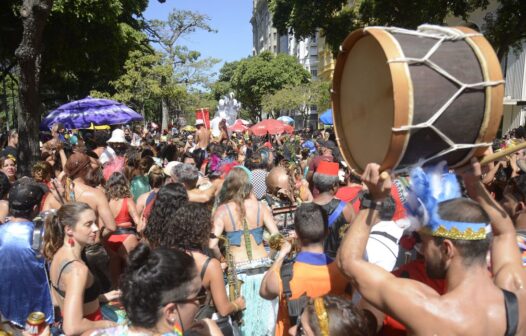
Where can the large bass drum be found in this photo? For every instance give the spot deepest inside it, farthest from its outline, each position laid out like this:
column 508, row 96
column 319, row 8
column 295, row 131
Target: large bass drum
column 403, row 97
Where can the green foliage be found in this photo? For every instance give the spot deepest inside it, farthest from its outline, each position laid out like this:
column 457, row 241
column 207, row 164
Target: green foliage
column 506, row 28
column 298, row 98
column 265, row 74
column 336, row 19
column 86, row 44
column 222, row 87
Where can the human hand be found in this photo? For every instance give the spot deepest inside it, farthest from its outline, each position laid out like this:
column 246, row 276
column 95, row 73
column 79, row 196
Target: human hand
column 471, row 172
column 240, row 302
column 378, row 184
column 285, row 249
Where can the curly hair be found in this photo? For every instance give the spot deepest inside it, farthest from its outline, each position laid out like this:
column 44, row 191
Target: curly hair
column 169, row 199
column 344, row 318
column 189, row 229
column 41, row 171
column 117, row 186
column 152, row 279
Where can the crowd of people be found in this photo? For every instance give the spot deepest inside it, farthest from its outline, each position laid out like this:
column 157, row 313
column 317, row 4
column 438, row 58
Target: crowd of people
column 145, row 232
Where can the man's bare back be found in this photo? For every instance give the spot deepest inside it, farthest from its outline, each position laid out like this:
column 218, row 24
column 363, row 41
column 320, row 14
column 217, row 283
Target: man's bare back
column 202, row 137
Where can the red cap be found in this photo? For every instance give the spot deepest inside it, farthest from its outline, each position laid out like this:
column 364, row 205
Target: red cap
column 268, row 145
column 328, row 168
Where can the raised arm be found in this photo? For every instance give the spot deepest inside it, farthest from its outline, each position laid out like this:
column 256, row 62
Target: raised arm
column 401, row 298
column 505, row 256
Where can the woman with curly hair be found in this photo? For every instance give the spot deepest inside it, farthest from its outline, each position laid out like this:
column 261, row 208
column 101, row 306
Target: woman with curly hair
column 190, row 231
column 124, row 239
column 243, row 219
column 160, row 293
column 334, row 316
column 170, row 198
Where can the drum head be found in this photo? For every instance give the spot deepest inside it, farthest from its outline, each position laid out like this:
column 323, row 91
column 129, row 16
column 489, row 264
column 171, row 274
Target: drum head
column 366, row 107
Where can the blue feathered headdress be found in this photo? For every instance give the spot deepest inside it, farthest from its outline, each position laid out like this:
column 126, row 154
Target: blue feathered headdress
column 428, row 188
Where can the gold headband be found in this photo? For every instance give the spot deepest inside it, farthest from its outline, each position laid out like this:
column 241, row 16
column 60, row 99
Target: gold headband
column 323, row 318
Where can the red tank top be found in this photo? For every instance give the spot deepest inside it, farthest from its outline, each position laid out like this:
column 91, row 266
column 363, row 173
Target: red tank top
column 123, row 217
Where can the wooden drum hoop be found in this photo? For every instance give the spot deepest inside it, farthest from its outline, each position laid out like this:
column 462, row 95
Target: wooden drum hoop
column 367, row 133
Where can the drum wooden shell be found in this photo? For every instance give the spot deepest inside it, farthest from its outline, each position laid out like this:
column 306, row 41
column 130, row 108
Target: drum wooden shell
column 371, row 96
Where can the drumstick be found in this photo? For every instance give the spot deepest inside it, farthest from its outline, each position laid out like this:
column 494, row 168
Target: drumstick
column 495, row 156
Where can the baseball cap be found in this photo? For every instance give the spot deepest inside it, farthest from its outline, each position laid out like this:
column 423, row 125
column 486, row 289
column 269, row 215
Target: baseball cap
column 25, row 194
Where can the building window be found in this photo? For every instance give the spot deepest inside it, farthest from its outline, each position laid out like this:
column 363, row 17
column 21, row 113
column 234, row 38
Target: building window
column 314, row 72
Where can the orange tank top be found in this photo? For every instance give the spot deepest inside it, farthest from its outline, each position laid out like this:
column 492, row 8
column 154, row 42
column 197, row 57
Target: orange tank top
column 314, row 274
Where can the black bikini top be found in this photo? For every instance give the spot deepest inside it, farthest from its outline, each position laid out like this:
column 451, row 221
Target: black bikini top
column 90, row 294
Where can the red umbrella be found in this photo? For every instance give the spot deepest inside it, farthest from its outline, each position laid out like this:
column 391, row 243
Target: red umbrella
column 238, row 126
column 270, row 126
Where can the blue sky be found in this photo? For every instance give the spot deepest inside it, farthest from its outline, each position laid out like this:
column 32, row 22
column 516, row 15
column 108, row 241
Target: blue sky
column 231, row 19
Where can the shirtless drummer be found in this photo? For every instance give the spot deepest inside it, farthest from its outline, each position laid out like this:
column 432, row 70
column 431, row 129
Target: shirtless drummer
column 455, row 248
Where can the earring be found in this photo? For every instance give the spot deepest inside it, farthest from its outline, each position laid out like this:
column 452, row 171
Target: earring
column 71, row 242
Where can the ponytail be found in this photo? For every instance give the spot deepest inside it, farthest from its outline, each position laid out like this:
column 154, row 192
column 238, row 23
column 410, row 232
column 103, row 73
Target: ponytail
column 56, row 222
column 54, row 235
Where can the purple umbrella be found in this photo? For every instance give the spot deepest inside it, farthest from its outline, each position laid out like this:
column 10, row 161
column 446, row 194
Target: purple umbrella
column 85, row 112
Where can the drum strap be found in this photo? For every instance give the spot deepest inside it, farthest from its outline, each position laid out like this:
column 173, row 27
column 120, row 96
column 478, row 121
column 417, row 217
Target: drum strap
column 336, row 213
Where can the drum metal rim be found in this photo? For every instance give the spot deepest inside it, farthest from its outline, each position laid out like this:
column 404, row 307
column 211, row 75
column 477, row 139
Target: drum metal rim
column 494, row 95
column 402, row 96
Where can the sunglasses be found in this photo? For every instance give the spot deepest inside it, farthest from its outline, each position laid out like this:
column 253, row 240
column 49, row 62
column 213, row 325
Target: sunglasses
column 200, row 297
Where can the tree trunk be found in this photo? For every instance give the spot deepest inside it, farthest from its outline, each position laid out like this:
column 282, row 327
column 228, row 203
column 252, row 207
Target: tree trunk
column 165, row 114
column 34, row 17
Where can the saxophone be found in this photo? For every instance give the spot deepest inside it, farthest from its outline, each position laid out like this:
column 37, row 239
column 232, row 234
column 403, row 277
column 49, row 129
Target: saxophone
column 234, row 284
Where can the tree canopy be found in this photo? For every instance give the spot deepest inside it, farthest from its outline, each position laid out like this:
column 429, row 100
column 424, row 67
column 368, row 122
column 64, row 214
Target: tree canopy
column 505, row 28
column 257, row 76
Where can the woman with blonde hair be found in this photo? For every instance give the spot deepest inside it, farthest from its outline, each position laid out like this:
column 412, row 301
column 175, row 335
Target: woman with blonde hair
column 243, row 219
column 75, row 290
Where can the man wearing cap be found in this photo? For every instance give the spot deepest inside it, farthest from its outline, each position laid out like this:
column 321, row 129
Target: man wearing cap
column 326, row 154
column 340, row 213
column 23, row 280
column 455, row 246
column 202, row 135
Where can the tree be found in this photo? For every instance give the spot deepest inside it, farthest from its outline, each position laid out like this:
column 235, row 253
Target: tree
column 257, row 76
column 506, row 28
column 336, row 19
column 34, row 15
column 187, row 67
column 222, row 86
column 66, row 59
column 298, row 98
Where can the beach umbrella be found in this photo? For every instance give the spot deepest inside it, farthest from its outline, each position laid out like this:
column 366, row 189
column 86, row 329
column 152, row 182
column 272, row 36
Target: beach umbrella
column 326, row 117
column 90, row 111
column 271, row 126
column 238, row 126
column 286, row 119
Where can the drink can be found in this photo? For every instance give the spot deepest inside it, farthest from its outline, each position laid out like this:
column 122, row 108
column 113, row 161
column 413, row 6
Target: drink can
column 35, row 323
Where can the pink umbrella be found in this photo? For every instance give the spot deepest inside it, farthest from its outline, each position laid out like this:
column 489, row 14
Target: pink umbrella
column 270, row 126
column 238, row 126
